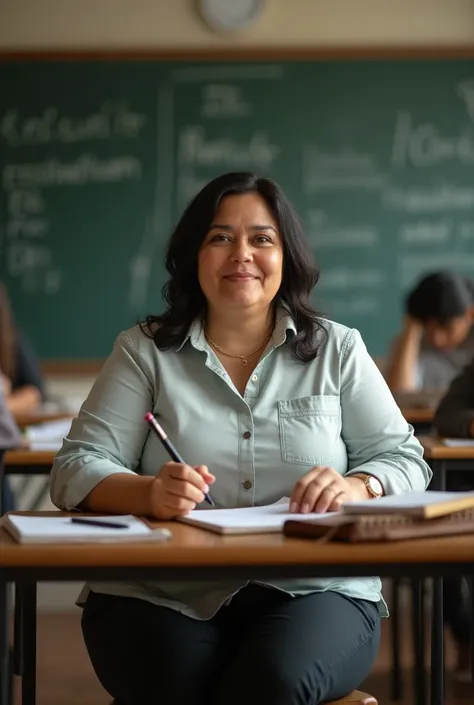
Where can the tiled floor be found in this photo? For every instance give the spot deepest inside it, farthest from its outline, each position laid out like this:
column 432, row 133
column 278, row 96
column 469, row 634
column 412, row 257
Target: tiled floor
column 65, row 676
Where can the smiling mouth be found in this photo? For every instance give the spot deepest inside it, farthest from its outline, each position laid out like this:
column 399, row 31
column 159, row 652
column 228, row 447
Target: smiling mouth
column 240, row 277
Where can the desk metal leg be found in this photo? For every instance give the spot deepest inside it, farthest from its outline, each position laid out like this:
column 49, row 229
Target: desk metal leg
column 439, row 475
column 471, row 586
column 417, row 586
column 437, row 645
column 397, row 685
column 18, row 632
column 4, row 645
column 29, row 644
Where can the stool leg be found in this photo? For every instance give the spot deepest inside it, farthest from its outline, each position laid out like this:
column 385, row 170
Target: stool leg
column 397, row 685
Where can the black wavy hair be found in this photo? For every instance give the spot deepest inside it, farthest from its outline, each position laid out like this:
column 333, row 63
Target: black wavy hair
column 182, row 292
column 440, row 296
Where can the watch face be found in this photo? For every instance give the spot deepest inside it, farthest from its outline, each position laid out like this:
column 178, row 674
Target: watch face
column 375, row 486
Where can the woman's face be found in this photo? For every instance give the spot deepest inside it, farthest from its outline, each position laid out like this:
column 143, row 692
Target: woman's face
column 240, row 261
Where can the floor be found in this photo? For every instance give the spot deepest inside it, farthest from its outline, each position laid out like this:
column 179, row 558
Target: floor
column 65, row 676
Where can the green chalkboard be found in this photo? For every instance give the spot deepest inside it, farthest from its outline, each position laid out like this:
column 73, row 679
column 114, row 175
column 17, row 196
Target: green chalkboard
column 98, row 159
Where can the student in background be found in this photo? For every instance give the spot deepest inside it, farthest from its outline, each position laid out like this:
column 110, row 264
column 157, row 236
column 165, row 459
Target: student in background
column 9, row 438
column 437, row 339
column 436, row 343
column 455, row 417
column 20, row 377
column 20, row 371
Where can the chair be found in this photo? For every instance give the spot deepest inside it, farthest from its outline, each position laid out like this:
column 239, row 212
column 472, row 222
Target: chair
column 357, row 697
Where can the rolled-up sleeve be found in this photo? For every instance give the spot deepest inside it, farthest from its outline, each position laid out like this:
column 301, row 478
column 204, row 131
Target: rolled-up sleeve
column 379, row 441
column 108, row 435
column 455, row 413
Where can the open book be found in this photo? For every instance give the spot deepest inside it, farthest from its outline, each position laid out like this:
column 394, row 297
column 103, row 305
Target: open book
column 271, row 518
column 61, row 529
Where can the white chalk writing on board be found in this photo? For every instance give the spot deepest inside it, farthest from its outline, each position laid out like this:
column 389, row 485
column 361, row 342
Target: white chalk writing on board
column 344, row 277
column 221, row 100
column 195, row 148
column 340, row 170
column 423, row 145
column 352, row 306
column 328, row 233
column 51, row 126
column 465, row 230
column 85, row 169
column 465, row 90
column 426, row 232
column 429, row 199
column 412, row 264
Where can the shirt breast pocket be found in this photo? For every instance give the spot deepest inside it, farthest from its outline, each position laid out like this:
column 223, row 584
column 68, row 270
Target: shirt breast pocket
column 310, row 428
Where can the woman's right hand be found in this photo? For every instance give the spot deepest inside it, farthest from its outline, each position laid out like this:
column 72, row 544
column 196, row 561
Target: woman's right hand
column 177, row 489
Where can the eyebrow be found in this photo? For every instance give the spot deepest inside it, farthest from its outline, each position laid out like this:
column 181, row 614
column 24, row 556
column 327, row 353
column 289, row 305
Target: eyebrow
column 218, row 226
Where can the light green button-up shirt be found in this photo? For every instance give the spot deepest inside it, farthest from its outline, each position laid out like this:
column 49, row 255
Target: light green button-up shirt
column 335, row 410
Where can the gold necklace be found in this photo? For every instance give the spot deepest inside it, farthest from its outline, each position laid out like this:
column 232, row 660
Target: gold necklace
column 242, row 358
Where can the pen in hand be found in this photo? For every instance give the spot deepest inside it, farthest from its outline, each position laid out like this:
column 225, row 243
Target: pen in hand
column 173, row 453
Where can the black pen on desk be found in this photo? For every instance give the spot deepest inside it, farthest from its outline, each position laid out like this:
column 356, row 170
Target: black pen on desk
column 173, row 453
column 96, row 522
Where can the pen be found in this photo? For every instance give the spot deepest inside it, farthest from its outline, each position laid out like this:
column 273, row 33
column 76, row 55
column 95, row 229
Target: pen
column 96, row 522
column 173, row 453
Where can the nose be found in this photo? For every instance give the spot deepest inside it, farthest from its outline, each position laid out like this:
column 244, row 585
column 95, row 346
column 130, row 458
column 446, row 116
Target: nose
column 242, row 251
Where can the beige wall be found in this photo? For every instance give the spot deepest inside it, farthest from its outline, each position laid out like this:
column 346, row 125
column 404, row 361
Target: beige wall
column 176, row 23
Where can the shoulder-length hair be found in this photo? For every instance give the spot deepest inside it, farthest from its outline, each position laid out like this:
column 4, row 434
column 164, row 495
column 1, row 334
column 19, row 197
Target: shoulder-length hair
column 182, row 292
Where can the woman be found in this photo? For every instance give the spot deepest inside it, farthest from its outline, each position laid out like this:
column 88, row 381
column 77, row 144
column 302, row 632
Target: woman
column 246, row 378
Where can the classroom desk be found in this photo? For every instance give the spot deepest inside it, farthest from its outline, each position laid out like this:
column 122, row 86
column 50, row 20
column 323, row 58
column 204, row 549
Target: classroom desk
column 26, row 462
column 444, row 459
column 421, row 418
column 194, row 554
column 23, row 420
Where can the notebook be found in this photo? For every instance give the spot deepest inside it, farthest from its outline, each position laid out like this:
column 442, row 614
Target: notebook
column 248, row 520
column 388, row 527
column 424, row 505
column 458, row 442
column 271, row 518
column 60, row 529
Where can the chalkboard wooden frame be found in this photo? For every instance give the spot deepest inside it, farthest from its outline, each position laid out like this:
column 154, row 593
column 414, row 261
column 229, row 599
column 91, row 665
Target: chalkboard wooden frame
column 344, row 53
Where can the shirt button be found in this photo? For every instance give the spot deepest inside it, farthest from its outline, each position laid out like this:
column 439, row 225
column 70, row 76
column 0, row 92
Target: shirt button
column 254, row 378
column 247, row 484
column 247, row 434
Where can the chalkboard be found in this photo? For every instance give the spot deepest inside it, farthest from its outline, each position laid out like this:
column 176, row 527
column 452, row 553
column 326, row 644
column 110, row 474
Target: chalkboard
column 98, row 159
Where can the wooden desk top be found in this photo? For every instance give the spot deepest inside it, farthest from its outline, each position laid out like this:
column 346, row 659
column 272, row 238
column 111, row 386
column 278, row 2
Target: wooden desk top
column 23, row 456
column 435, row 449
column 190, row 546
column 418, row 414
column 23, row 420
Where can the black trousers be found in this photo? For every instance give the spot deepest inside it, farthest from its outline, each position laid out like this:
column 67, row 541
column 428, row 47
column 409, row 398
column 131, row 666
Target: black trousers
column 264, row 647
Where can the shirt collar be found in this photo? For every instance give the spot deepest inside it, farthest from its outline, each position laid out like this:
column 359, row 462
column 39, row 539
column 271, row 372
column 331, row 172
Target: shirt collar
column 284, row 328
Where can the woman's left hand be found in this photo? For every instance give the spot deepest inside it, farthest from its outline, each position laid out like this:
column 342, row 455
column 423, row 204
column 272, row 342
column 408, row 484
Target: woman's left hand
column 323, row 489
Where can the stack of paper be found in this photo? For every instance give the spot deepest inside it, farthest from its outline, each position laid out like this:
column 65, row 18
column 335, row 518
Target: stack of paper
column 48, row 435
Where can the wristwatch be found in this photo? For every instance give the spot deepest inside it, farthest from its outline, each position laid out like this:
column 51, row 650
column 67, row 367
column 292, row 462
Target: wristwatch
column 373, row 485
